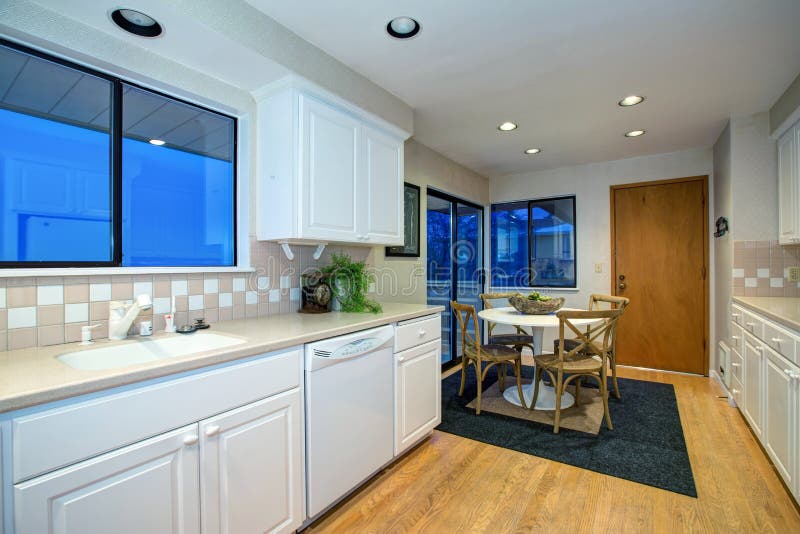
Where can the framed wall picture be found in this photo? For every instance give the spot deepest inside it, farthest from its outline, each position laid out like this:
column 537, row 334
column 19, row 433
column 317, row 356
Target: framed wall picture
column 411, row 217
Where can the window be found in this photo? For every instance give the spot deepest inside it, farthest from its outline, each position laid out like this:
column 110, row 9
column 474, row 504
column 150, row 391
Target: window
column 97, row 172
column 533, row 243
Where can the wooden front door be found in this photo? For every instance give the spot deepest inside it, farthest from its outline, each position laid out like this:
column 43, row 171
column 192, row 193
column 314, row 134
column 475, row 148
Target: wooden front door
column 659, row 240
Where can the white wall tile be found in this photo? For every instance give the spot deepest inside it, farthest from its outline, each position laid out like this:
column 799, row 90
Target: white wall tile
column 225, row 300
column 286, row 282
column 195, row 302
column 21, row 317
column 751, row 282
column 99, row 292
column 738, row 273
column 263, row 283
column 762, row 273
column 2, row 297
column 776, row 282
column 161, row 305
column 239, row 283
column 251, row 297
column 180, row 288
column 46, row 295
column 274, row 295
column 76, row 313
column 210, row 285
column 294, row 293
column 143, row 288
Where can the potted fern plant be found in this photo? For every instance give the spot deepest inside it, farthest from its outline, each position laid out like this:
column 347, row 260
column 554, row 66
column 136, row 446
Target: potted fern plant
column 349, row 282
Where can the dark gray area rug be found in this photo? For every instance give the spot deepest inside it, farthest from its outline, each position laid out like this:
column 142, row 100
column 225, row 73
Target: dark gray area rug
column 646, row 446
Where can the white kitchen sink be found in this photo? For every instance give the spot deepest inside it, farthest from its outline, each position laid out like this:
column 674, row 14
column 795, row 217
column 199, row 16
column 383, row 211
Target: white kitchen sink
column 126, row 354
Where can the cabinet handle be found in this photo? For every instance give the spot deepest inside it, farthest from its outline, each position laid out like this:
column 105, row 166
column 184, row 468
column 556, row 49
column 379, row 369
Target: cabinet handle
column 736, row 315
column 191, row 439
column 735, row 364
column 750, row 325
column 735, row 391
column 777, row 340
column 422, row 332
column 788, row 372
column 366, row 238
column 212, row 430
column 737, row 338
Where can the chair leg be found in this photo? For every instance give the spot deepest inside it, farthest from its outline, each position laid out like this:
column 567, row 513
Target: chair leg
column 604, row 393
column 536, row 379
column 613, row 361
column 464, row 365
column 578, row 391
column 501, row 376
column 518, row 372
column 558, row 386
column 480, row 386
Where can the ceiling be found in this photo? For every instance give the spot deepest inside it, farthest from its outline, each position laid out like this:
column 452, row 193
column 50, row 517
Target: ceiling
column 35, row 86
column 559, row 68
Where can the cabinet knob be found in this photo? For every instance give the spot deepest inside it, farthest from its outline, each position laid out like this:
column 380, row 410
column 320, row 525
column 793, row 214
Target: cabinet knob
column 422, row 332
column 212, row 430
column 735, row 391
column 191, row 439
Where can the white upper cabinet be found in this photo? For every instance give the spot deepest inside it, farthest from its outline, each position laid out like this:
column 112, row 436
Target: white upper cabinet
column 327, row 171
column 788, row 186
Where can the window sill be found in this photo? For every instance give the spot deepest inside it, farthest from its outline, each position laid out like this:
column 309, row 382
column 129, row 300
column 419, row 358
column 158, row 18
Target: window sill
column 92, row 271
column 501, row 289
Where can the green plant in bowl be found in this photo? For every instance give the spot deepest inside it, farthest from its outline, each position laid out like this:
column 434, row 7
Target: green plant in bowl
column 349, row 282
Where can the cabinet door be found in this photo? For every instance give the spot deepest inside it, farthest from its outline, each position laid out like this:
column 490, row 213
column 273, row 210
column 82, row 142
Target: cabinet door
column 779, row 414
column 787, row 186
column 418, row 392
column 252, row 467
column 329, row 147
column 753, row 376
column 381, row 204
column 151, row 486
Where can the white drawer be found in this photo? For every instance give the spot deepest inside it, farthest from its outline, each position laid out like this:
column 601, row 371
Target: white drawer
column 781, row 340
column 417, row 331
column 753, row 324
column 65, row 434
column 736, row 337
column 737, row 392
column 737, row 366
column 737, row 314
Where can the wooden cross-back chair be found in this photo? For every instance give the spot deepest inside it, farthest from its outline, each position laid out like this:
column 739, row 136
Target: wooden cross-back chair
column 586, row 358
column 519, row 339
column 472, row 351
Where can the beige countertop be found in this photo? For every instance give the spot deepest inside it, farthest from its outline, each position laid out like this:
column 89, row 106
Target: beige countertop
column 34, row 376
column 785, row 310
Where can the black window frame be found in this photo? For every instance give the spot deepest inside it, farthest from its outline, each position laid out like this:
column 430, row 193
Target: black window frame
column 574, row 245
column 115, row 158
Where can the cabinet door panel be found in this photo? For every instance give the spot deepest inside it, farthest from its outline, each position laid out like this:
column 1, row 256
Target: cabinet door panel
column 383, row 189
column 787, row 186
column 251, row 467
column 753, row 375
column 778, row 424
column 417, row 393
column 152, row 487
column 330, row 149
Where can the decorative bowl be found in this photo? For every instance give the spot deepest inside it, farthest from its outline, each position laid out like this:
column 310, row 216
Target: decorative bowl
column 535, row 307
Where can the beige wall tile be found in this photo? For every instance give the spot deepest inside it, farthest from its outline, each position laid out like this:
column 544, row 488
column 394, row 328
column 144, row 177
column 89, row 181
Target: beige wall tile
column 3, row 340
column 238, row 299
column 196, row 314
column 239, row 311
column 76, row 293
column 263, row 309
column 251, row 311
column 211, row 300
column 225, row 284
column 226, row 314
column 72, row 332
column 121, row 290
column 162, row 288
column 182, row 303
column 22, row 281
column 50, row 315
column 21, row 338
column 21, row 297
column 98, row 311
column 196, row 286
column 3, row 319
column 51, row 335
column 212, row 315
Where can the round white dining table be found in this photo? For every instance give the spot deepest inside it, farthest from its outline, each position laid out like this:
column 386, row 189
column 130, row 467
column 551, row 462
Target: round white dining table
column 537, row 324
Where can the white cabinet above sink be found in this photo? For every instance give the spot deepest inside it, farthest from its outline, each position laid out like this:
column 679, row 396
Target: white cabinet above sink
column 327, row 171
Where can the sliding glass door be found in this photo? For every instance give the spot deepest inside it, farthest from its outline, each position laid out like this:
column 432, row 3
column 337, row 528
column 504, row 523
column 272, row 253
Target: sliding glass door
column 454, row 261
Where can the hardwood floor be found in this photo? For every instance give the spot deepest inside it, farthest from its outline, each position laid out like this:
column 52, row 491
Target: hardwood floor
column 452, row 484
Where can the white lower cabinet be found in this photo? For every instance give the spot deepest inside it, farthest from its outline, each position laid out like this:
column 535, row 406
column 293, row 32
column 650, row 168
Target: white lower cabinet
column 780, row 425
column 753, row 373
column 152, row 486
column 252, row 467
column 418, row 391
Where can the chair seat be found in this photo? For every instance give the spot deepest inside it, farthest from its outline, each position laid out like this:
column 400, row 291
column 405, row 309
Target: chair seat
column 510, row 339
column 577, row 363
column 492, row 352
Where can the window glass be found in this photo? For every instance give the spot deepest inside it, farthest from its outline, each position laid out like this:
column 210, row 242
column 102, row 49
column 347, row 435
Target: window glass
column 509, row 227
column 55, row 167
column 178, row 194
column 553, row 242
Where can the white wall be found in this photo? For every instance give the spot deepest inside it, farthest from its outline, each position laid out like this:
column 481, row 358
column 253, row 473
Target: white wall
column 723, row 246
column 426, row 168
column 590, row 183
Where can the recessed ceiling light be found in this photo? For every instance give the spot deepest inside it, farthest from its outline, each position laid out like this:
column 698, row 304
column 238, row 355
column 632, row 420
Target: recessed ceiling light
column 631, row 101
column 533, row 150
column 157, row 142
column 403, row 27
column 136, row 22
column 634, row 133
column 507, row 127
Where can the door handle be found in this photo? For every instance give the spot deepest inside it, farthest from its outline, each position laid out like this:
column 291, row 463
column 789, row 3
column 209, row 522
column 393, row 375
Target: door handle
column 212, row 430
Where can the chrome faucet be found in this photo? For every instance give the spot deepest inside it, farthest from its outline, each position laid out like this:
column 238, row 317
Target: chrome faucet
column 121, row 315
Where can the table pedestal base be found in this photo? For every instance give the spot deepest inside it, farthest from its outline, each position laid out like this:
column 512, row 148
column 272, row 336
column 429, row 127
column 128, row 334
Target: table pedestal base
column 545, row 401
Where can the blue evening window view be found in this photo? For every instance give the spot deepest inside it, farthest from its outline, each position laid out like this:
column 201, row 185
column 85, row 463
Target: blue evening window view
column 509, row 228
column 56, row 194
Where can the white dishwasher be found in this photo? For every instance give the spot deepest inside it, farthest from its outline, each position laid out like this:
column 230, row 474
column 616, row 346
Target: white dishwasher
column 349, row 413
